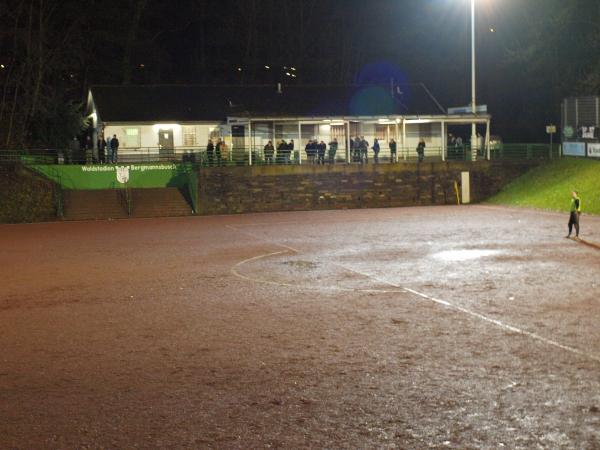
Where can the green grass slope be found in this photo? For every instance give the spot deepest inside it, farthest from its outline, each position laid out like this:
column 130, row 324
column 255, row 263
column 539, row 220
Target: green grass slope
column 549, row 186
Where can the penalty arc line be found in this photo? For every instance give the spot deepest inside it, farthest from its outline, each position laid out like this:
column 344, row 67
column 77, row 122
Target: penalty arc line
column 444, row 303
column 236, row 273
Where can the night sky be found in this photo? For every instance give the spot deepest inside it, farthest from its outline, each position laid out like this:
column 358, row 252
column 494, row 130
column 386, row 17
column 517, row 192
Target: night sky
column 530, row 53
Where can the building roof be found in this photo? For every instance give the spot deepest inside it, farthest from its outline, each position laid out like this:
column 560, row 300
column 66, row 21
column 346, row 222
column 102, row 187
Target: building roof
column 189, row 103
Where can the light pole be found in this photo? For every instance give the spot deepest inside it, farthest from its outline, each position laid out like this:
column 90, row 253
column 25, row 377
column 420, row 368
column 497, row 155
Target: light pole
column 474, row 140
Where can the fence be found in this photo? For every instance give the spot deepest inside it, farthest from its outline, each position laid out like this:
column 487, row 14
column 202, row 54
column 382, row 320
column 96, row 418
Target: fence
column 256, row 156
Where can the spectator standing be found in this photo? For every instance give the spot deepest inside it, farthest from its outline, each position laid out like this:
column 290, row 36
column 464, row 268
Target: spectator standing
column 101, row 150
column 321, row 148
column 225, row 153
column 333, row 146
column 421, row 150
column 289, row 151
column 281, row 149
column 376, row 149
column 109, row 150
column 73, row 152
column 356, row 156
column 218, row 151
column 210, row 152
column 268, row 151
column 311, row 151
column 88, row 146
column 393, row 151
column 114, row 143
column 364, row 150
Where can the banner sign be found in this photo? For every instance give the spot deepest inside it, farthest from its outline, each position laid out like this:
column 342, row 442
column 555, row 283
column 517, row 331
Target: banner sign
column 593, row 150
column 116, row 176
column 574, row 148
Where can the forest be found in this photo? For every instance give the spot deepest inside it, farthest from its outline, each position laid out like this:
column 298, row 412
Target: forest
column 530, row 53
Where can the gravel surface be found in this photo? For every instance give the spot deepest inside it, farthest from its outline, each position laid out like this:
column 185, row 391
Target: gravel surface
column 444, row 327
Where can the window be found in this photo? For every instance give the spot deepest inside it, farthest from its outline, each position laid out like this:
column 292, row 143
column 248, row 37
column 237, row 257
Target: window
column 308, row 132
column 381, row 132
column 354, row 129
column 132, row 138
column 338, row 132
column 214, row 133
column 426, row 132
column 278, row 132
column 189, row 136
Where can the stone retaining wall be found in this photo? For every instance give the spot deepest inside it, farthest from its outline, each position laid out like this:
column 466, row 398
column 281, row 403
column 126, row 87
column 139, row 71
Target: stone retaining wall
column 292, row 188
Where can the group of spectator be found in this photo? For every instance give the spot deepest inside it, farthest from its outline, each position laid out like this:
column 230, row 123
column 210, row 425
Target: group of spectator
column 216, row 154
column 359, row 150
column 315, row 151
column 284, row 152
column 81, row 151
column 108, row 149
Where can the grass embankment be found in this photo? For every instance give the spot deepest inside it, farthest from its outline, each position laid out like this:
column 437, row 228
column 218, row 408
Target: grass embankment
column 24, row 196
column 549, row 186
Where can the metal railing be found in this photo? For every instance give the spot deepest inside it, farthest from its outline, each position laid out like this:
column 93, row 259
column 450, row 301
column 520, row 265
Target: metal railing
column 257, row 156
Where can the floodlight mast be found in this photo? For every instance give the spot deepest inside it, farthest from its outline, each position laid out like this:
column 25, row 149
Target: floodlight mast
column 474, row 140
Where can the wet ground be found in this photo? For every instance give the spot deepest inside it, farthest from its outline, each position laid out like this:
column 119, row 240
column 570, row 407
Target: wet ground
column 445, row 327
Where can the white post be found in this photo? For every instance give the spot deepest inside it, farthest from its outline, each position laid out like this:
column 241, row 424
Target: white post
column 348, row 142
column 474, row 141
column 465, row 183
column 396, row 138
column 444, row 140
column 251, row 143
column 487, row 140
column 299, row 142
column 404, row 152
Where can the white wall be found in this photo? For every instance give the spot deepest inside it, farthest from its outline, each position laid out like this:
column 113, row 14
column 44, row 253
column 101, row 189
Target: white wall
column 433, row 140
column 148, row 140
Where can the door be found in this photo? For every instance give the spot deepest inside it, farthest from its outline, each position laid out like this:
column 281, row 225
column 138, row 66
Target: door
column 238, row 151
column 166, row 149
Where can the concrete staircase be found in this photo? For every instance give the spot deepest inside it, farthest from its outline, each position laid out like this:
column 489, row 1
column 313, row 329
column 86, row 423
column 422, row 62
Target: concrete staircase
column 161, row 202
column 94, row 205
column 112, row 204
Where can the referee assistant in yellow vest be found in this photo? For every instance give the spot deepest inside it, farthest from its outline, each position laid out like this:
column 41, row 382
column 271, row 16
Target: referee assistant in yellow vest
column 575, row 213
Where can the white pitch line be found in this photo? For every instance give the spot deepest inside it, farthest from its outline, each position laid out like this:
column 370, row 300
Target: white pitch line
column 484, row 318
column 236, row 273
column 445, row 303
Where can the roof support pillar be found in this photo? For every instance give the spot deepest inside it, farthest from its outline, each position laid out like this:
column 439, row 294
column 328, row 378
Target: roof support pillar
column 299, row 142
column 404, row 148
column 347, row 141
column 251, row 143
column 444, row 141
column 487, row 140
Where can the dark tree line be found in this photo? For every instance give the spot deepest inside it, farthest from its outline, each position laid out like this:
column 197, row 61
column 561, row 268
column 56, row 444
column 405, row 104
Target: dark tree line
column 52, row 51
